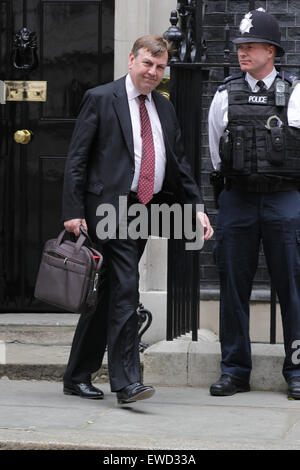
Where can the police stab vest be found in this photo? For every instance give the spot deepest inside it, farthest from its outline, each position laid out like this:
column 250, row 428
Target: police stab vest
column 258, row 138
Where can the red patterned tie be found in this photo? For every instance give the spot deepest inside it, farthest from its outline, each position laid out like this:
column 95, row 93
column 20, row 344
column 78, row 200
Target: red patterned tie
column 146, row 179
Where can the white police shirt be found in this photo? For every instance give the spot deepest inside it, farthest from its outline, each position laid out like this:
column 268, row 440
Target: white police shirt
column 218, row 113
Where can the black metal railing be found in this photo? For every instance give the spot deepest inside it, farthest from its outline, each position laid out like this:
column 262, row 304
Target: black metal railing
column 189, row 70
column 183, row 297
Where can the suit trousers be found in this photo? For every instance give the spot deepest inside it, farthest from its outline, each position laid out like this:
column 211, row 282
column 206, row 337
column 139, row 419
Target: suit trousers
column 244, row 220
column 115, row 322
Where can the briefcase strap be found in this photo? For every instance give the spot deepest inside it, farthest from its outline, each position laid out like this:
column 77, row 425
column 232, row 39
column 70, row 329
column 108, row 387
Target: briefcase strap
column 85, row 234
column 83, row 237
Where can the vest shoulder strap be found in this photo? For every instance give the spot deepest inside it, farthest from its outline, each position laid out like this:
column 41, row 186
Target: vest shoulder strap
column 287, row 76
column 226, row 81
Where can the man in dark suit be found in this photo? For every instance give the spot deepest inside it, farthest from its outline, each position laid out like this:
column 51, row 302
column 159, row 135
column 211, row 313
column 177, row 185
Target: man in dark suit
column 126, row 143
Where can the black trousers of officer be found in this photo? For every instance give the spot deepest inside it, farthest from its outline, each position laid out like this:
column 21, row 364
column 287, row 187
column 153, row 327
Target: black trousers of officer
column 244, row 219
column 115, row 323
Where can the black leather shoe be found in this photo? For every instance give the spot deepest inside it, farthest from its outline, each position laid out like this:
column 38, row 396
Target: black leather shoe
column 134, row 392
column 227, row 385
column 294, row 388
column 84, row 390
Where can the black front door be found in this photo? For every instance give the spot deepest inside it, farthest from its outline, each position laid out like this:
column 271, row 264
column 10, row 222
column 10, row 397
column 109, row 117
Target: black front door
column 69, row 45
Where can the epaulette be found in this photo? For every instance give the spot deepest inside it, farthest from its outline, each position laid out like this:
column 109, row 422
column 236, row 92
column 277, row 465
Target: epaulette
column 235, row 76
column 289, row 77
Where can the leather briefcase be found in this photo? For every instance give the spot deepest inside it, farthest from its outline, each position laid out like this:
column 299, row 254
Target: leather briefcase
column 69, row 272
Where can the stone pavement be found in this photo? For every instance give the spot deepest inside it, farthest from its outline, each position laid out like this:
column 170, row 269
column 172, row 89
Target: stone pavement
column 36, row 415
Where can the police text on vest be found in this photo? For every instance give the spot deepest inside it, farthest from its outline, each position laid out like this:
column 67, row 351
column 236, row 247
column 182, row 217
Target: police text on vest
column 258, row 99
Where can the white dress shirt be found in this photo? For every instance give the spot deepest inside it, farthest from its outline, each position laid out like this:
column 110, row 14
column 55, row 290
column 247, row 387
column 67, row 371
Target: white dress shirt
column 159, row 145
column 218, row 113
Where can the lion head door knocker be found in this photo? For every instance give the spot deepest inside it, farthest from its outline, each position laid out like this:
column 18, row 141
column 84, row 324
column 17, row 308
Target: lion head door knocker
column 25, row 50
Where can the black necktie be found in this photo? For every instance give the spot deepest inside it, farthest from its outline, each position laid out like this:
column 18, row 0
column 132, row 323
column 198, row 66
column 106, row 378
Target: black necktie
column 261, row 85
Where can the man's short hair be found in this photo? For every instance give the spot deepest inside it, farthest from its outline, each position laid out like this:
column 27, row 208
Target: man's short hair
column 156, row 44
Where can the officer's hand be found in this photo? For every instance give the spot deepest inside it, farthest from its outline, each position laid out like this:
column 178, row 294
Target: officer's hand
column 205, row 223
column 73, row 225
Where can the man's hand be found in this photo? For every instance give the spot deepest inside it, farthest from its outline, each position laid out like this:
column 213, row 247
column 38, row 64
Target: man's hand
column 74, row 224
column 204, row 221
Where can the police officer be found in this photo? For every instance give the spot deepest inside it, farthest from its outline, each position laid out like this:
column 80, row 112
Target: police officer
column 254, row 137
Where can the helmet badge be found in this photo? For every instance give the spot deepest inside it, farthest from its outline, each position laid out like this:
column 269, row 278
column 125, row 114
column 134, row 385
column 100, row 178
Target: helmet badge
column 246, row 23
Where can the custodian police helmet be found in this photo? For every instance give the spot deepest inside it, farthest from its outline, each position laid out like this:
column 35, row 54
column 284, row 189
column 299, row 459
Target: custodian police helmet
column 259, row 26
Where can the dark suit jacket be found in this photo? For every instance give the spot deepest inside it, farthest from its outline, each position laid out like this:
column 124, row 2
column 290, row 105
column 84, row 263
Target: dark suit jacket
column 100, row 163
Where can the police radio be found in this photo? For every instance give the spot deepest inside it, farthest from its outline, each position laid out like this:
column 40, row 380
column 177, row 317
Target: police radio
column 280, row 93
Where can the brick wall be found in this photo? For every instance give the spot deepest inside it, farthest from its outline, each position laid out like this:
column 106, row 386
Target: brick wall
column 218, row 13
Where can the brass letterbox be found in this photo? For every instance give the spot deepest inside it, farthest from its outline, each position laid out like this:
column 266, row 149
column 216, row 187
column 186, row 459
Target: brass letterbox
column 18, row 90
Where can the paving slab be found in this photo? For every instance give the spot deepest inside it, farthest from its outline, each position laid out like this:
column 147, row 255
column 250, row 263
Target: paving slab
column 40, row 329
column 36, row 415
column 197, row 363
column 39, row 319
column 39, row 362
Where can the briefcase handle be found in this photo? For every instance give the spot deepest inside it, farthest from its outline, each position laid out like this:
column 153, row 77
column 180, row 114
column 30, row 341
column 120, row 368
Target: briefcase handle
column 83, row 237
column 84, row 232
